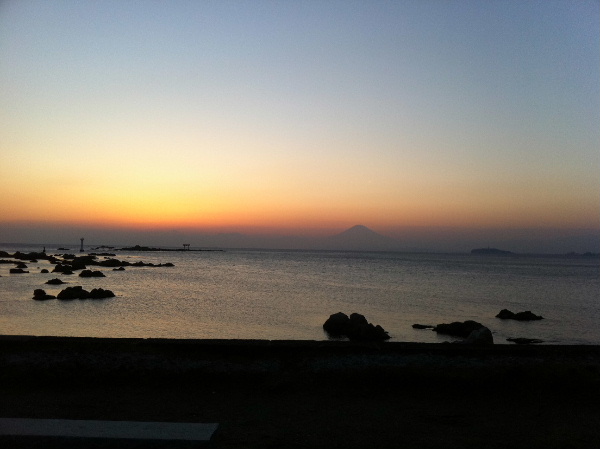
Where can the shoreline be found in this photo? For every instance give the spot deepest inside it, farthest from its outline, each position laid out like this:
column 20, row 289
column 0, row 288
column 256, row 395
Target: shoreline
column 314, row 394
column 157, row 357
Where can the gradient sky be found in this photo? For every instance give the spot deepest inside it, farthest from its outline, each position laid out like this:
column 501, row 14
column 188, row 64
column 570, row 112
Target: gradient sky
column 300, row 116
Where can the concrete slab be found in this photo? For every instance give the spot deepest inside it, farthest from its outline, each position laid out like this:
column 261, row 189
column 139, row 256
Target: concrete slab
column 104, row 434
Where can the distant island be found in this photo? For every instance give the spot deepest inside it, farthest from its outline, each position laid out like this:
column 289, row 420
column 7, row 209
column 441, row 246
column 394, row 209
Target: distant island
column 148, row 248
column 491, row 252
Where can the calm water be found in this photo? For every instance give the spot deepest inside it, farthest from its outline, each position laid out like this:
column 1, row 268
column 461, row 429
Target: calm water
column 288, row 295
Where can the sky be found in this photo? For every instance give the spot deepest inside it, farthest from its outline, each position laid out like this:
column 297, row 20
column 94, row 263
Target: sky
column 299, row 118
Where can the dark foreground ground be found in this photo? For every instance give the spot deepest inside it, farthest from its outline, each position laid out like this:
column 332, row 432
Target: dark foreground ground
column 315, row 394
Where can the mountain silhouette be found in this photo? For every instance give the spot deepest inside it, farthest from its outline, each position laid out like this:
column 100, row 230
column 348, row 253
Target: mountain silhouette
column 360, row 238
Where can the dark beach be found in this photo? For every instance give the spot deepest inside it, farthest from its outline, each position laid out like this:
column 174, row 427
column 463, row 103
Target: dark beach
column 313, row 394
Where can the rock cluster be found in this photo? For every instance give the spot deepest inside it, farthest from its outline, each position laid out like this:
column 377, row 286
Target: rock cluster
column 78, row 292
column 506, row 314
column 55, row 281
column 457, row 328
column 40, row 295
column 91, row 274
column 355, row 327
column 472, row 332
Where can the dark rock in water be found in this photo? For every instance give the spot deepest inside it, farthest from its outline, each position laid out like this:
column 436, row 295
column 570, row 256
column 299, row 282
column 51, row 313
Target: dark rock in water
column 481, row 336
column 527, row 316
column 168, row 264
column 506, row 314
column 76, row 292
column 4, row 254
column 422, row 326
column 337, row 324
column 44, row 271
column 119, row 269
column 525, row 341
column 357, row 320
column 55, row 281
column 60, row 268
column 21, row 265
column 355, row 327
column 30, row 256
column 40, row 295
column 91, row 274
column 458, row 329
column 100, row 293
column 17, row 271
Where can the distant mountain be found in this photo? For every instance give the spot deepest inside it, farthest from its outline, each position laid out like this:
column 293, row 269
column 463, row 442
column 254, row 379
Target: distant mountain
column 360, row 238
column 491, row 252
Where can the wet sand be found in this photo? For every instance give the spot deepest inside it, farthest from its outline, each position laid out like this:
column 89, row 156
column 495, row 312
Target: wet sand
column 315, row 394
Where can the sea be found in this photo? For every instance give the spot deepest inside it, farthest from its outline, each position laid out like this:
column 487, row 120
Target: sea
column 288, row 295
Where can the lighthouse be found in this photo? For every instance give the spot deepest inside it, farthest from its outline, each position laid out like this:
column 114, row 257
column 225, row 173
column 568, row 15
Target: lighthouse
column 81, row 248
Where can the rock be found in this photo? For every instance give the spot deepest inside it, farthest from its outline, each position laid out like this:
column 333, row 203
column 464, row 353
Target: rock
column 91, row 274
column 337, row 324
column 527, row 316
column 356, row 319
column 60, row 268
column 40, row 295
column 55, row 281
column 44, row 271
column 458, row 329
column 506, row 314
column 21, row 265
column 525, row 341
column 119, row 269
column 481, row 336
column 422, row 326
column 355, row 327
column 17, row 271
column 100, row 293
column 30, row 256
column 4, row 254
column 76, row 292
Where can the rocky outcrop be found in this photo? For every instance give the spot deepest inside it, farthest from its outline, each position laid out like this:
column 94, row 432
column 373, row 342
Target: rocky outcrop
column 30, row 256
column 40, row 295
column 64, row 269
column 100, row 293
column 78, row 292
column 17, row 271
column 91, row 274
column 506, row 314
column 355, row 327
column 458, row 329
column 55, row 281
